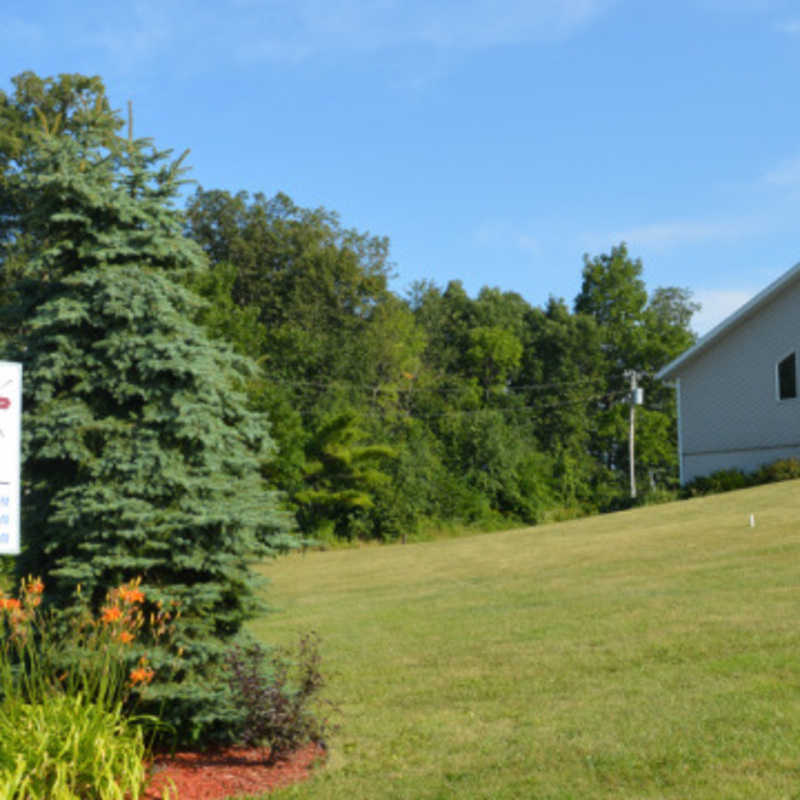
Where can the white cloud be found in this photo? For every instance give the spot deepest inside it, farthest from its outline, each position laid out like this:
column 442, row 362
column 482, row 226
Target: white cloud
column 19, row 32
column 273, row 50
column 503, row 234
column 785, row 174
column 738, row 6
column 140, row 33
column 717, row 305
column 527, row 243
column 485, row 23
column 790, row 26
column 309, row 26
column 291, row 31
column 680, row 232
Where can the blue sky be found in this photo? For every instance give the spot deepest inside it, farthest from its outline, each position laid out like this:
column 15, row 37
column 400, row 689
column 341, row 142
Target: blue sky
column 492, row 142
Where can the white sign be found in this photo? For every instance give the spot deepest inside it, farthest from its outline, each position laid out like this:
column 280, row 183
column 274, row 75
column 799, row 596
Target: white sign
column 10, row 448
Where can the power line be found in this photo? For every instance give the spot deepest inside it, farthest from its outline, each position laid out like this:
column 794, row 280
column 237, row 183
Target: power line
column 444, row 385
column 608, row 396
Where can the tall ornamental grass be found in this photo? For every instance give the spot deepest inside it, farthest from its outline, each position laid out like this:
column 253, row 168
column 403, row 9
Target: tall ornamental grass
column 70, row 748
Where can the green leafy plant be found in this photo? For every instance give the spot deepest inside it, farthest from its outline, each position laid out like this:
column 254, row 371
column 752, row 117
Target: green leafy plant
column 46, row 652
column 67, row 688
column 70, row 748
column 723, row 480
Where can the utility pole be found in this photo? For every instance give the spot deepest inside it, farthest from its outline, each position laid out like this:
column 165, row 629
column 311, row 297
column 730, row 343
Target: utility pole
column 636, row 398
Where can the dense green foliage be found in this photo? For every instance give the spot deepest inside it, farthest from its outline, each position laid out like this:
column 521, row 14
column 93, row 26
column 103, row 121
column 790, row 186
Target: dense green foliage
column 66, row 106
column 492, row 409
column 142, row 453
column 387, row 412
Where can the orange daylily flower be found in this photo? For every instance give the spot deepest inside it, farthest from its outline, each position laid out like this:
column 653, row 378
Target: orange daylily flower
column 111, row 614
column 126, row 637
column 131, row 595
column 142, row 673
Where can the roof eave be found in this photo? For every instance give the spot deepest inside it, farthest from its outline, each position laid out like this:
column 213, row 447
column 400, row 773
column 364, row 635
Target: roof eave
column 730, row 322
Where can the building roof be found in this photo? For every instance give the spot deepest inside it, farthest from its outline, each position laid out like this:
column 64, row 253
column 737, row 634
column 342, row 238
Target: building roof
column 750, row 308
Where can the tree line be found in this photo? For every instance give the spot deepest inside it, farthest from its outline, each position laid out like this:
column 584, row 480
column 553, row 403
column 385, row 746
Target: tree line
column 391, row 411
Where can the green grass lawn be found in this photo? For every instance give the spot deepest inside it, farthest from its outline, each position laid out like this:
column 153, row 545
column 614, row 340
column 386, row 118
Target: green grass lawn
column 653, row 653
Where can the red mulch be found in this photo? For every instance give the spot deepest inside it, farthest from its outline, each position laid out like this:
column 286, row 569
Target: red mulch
column 228, row 772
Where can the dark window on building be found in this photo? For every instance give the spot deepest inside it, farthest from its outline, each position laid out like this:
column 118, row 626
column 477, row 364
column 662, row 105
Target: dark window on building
column 787, row 378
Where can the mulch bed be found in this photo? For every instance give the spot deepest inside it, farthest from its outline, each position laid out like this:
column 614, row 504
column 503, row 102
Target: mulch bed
column 228, row 772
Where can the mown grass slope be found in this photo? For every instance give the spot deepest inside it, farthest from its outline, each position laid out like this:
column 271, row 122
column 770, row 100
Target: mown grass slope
column 653, row 653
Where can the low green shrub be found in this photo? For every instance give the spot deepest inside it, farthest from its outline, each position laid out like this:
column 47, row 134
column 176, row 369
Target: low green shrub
column 654, row 497
column 726, row 480
column 786, row 469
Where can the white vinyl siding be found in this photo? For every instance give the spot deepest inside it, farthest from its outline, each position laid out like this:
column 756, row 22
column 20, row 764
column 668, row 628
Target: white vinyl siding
column 729, row 414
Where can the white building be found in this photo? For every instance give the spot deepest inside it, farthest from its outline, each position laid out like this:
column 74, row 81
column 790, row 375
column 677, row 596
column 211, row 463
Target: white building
column 737, row 387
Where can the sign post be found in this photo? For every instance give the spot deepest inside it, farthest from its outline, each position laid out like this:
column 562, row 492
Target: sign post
column 10, row 448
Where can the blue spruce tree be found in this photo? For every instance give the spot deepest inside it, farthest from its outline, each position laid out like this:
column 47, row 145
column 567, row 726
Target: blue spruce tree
column 141, row 456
